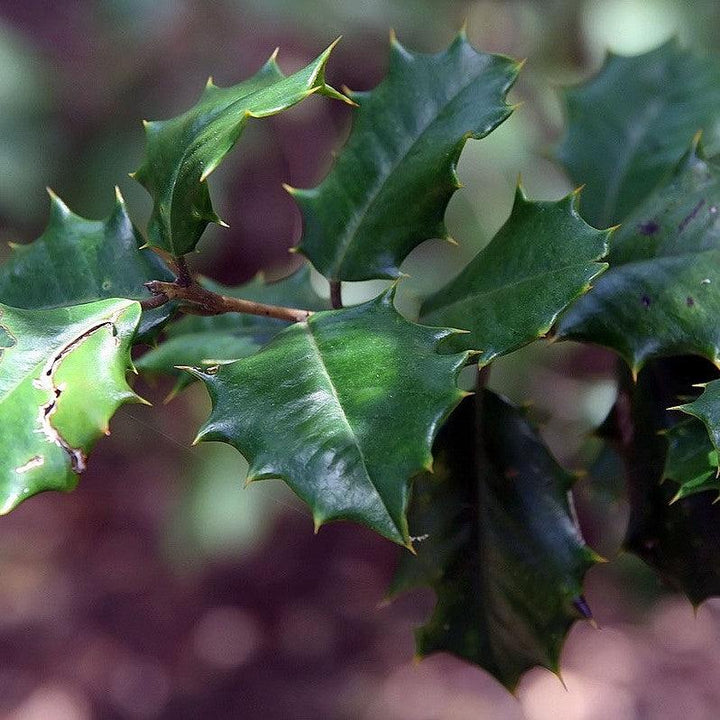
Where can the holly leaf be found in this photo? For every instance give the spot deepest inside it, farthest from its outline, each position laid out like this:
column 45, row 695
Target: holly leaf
column 183, row 151
column 206, row 341
column 502, row 548
column 343, row 407
column 632, row 122
column 680, row 540
column 391, row 184
column 511, row 292
column 660, row 296
column 691, row 460
column 706, row 408
column 62, row 377
column 77, row 260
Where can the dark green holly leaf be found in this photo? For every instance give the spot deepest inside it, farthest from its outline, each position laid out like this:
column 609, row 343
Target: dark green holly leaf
column 62, row 377
column 203, row 341
column 691, row 460
column 503, row 550
column 182, row 152
column 680, row 540
column 77, row 261
column 632, row 122
column 343, row 407
column 542, row 259
column 706, row 408
column 661, row 295
column 391, row 184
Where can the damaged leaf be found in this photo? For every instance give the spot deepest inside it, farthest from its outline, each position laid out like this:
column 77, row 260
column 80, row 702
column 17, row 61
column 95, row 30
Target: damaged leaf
column 62, row 377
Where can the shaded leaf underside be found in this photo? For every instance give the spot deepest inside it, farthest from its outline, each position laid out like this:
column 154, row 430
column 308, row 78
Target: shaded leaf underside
column 680, row 540
column 503, row 551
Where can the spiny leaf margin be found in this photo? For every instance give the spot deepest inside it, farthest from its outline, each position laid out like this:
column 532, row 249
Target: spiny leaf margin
column 555, row 253
column 350, row 419
column 391, row 184
column 62, row 377
column 182, row 152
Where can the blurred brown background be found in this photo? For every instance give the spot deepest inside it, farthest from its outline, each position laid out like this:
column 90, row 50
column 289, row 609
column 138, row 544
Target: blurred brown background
column 160, row 588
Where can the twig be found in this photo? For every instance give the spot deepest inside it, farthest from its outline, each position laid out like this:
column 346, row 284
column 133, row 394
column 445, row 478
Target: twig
column 154, row 302
column 336, row 294
column 196, row 300
column 184, row 276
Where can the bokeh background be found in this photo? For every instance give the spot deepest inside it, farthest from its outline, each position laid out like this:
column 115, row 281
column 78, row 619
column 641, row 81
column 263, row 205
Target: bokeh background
column 160, row 588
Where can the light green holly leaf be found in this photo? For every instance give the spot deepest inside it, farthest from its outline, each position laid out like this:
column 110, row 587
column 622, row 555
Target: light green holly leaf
column 511, row 292
column 77, row 260
column 343, row 407
column 501, row 546
column 183, row 151
column 391, row 184
column 62, row 377
column 661, row 295
column 633, row 121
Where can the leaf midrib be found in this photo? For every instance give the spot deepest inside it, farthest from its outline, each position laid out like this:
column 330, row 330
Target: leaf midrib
column 372, row 197
column 472, row 296
column 324, row 370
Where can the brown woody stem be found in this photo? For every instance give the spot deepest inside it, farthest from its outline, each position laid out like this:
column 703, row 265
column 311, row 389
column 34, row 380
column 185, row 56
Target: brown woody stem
column 184, row 276
column 336, row 294
column 196, row 300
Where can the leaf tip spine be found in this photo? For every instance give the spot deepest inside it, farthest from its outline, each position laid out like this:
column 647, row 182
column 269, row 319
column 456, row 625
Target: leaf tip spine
column 332, row 45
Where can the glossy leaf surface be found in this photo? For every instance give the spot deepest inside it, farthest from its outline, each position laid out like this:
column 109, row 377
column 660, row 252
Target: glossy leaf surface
column 183, row 151
column 202, row 341
column 62, row 377
column 632, row 122
column 542, row 259
column 661, row 295
column 77, row 260
column 391, row 183
column 503, row 551
column 343, row 407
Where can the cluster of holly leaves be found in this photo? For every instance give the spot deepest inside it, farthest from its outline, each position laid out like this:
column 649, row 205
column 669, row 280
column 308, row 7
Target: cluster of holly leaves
column 358, row 408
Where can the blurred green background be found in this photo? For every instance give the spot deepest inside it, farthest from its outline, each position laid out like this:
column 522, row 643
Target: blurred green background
column 160, row 589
